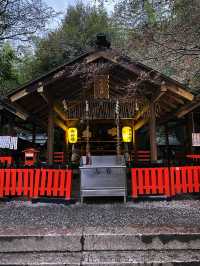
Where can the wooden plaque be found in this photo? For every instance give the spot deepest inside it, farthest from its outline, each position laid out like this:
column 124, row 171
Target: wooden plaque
column 101, row 87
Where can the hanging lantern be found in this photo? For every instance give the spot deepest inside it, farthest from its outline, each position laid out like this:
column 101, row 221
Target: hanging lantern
column 72, row 135
column 127, row 134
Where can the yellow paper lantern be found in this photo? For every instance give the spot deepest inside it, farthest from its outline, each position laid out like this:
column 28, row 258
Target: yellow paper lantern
column 127, row 134
column 72, row 135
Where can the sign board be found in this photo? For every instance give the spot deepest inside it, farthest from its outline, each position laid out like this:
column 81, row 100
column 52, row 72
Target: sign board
column 8, row 142
column 196, row 139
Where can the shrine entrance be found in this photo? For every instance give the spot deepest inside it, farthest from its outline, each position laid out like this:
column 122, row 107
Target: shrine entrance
column 95, row 96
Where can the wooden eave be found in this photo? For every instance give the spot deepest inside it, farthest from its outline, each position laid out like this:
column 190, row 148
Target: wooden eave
column 172, row 99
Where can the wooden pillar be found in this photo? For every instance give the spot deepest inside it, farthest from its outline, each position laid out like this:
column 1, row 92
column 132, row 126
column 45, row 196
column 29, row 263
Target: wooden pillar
column 152, row 133
column 189, row 131
column 167, row 141
column 135, row 145
column 50, row 134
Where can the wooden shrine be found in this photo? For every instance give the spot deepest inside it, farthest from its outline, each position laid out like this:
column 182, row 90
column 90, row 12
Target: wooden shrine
column 98, row 93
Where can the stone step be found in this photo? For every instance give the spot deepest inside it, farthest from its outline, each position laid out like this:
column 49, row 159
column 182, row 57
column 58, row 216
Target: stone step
column 153, row 258
column 115, row 258
column 38, row 258
column 134, row 238
column 67, row 240
column 100, row 239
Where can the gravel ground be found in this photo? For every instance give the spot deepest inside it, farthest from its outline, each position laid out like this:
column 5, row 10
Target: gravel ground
column 19, row 214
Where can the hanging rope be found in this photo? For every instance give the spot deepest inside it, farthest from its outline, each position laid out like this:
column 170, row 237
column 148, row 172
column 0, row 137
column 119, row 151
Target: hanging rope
column 117, row 111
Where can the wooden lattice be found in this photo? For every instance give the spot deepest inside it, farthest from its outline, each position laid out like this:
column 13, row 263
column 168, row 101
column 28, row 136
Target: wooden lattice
column 101, row 109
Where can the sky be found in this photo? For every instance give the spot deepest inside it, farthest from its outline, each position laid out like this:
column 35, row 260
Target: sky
column 61, row 6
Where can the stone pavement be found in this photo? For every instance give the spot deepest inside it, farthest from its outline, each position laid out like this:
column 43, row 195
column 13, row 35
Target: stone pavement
column 142, row 233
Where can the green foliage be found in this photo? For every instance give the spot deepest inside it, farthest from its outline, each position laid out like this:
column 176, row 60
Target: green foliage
column 163, row 34
column 8, row 71
column 150, row 11
column 79, row 27
column 169, row 71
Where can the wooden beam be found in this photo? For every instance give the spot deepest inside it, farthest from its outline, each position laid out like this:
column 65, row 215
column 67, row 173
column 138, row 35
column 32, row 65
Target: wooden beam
column 101, row 54
column 159, row 94
column 165, row 107
column 60, row 124
column 140, row 124
column 50, row 134
column 180, row 92
column 170, row 104
column 154, row 99
column 141, row 112
column 18, row 95
column 152, row 133
column 59, row 112
column 175, row 99
column 187, row 109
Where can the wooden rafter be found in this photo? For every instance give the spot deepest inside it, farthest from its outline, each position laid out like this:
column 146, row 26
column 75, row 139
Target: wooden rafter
column 180, row 92
column 188, row 108
column 158, row 94
column 59, row 112
column 170, row 104
column 173, row 98
column 140, row 124
column 60, row 123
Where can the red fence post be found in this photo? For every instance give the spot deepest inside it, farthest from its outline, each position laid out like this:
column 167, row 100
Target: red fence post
column 25, row 173
column 55, row 184
column 37, row 175
column 8, row 181
column 190, row 175
column 13, row 182
column 134, row 182
column 62, row 183
column 147, row 180
column 68, row 184
column 2, row 173
column 43, row 182
column 140, row 181
column 167, row 182
column 160, row 180
column 19, row 182
column 196, row 179
column 153, row 180
column 49, row 181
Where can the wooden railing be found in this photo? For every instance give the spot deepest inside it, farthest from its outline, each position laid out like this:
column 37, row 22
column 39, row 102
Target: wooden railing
column 34, row 183
column 168, row 181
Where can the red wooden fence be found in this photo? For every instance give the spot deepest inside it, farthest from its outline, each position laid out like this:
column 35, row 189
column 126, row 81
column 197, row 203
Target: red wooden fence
column 185, row 179
column 6, row 159
column 34, row 183
column 154, row 181
column 168, row 181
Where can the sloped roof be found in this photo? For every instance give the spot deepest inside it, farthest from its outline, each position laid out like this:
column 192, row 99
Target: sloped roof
column 65, row 82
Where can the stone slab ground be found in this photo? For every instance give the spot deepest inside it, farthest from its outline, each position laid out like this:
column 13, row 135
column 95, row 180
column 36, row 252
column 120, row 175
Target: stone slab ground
column 142, row 233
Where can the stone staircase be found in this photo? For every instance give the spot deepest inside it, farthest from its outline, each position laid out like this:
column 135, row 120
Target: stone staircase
column 102, row 246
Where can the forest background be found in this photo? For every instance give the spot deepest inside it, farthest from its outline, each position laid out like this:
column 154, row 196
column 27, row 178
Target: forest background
column 163, row 34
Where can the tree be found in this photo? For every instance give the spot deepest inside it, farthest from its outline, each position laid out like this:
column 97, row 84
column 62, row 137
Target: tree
column 8, row 72
column 79, row 27
column 163, row 34
column 20, row 19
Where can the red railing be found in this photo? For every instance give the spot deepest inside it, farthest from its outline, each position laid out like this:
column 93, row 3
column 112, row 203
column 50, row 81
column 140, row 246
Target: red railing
column 6, row 160
column 193, row 157
column 154, row 181
column 168, row 181
column 185, row 179
column 34, row 183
